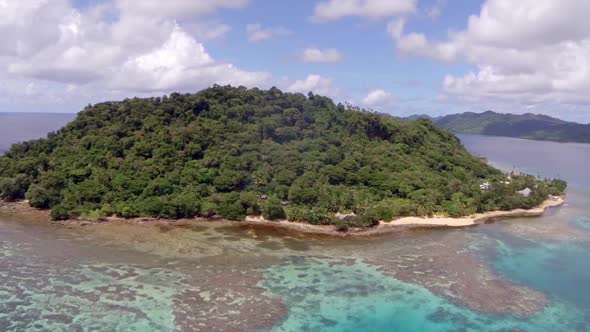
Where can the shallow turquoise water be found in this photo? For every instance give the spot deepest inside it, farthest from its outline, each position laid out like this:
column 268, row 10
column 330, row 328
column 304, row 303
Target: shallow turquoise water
column 359, row 298
column 59, row 280
column 54, row 291
column 327, row 296
column 558, row 269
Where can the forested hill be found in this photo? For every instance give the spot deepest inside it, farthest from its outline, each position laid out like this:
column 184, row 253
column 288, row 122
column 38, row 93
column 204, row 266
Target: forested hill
column 233, row 151
column 529, row 126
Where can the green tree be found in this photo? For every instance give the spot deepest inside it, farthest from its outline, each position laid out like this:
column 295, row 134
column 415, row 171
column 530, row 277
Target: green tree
column 272, row 209
column 59, row 212
column 38, row 196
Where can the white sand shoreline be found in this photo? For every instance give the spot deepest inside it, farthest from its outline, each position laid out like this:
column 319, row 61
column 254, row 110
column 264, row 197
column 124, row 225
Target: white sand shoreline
column 22, row 207
column 479, row 218
column 411, row 222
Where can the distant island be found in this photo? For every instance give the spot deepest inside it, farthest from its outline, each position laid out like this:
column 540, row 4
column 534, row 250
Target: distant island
column 234, row 152
column 528, row 126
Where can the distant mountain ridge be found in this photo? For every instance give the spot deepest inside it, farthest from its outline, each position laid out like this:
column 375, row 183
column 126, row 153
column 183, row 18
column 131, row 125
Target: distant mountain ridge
column 528, row 126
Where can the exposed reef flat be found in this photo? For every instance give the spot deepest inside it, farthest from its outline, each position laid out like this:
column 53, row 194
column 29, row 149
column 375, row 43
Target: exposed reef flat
column 426, row 258
column 446, row 268
column 75, row 283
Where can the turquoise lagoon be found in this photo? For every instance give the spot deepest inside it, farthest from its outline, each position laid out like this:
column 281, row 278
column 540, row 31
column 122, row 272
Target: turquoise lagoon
column 231, row 278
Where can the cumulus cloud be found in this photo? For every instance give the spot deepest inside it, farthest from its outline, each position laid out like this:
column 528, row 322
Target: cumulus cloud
column 123, row 47
column 179, row 64
column 316, row 55
column 29, row 26
column 316, row 84
column 378, row 98
column 257, row 33
column 525, row 52
column 332, row 10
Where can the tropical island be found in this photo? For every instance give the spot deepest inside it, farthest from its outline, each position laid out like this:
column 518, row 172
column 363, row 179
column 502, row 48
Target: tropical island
column 527, row 126
column 235, row 152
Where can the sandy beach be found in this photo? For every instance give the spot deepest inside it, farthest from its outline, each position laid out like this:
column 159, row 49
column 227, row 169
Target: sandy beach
column 22, row 209
column 412, row 222
column 476, row 218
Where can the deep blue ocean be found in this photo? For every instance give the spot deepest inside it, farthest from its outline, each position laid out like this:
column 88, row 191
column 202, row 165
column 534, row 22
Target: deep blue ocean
column 528, row 274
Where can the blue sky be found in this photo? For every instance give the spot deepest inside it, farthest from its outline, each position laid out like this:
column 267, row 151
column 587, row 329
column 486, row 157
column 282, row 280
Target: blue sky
column 397, row 56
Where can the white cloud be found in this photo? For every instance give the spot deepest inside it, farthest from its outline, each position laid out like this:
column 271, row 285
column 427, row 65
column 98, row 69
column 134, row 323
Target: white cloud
column 179, row 64
column 418, row 44
column 316, row 55
column 49, row 44
column 316, row 84
column 176, row 9
column 373, row 9
column 257, row 33
column 378, row 98
column 29, row 26
column 525, row 52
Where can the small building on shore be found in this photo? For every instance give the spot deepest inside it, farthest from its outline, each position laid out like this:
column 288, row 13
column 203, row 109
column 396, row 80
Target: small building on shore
column 526, row 192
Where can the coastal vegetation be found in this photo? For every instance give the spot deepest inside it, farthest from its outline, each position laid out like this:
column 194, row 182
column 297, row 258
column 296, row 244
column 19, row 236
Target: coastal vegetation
column 528, row 126
column 232, row 152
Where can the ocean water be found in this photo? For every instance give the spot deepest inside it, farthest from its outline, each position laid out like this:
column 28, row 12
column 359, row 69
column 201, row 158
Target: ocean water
column 359, row 298
column 20, row 127
column 528, row 274
column 567, row 161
